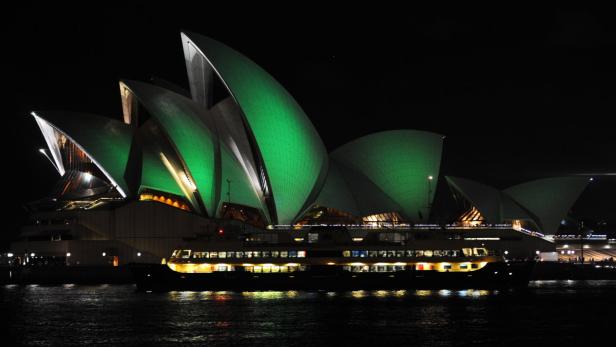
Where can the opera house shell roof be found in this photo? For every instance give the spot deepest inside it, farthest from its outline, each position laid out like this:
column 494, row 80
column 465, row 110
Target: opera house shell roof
column 238, row 142
column 544, row 202
column 239, row 146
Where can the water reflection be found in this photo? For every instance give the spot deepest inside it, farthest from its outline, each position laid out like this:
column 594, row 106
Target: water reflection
column 381, row 293
column 444, row 292
column 400, row 293
column 358, row 294
column 423, row 292
column 267, row 295
column 40, row 315
column 475, row 293
column 355, row 294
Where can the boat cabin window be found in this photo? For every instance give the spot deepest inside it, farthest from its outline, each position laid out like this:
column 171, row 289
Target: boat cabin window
column 221, row 267
column 185, row 253
column 313, row 237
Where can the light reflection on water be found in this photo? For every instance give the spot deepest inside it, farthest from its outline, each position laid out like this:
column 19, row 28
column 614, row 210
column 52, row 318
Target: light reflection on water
column 356, row 294
column 109, row 314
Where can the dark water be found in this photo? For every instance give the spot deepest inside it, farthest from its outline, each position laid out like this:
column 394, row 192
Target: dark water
column 547, row 313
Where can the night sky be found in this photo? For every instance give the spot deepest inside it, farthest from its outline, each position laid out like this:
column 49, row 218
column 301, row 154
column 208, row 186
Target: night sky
column 520, row 93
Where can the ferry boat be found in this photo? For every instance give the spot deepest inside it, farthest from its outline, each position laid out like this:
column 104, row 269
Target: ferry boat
column 332, row 259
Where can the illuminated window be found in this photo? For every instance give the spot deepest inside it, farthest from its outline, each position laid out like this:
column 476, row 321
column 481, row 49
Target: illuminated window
column 346, row 254
column 266, row 254
column 256, row 254
column 399, row 254
column 292, row 254
column 222, row 254
column 301, row 254
column 284, row 254
column 222, row 267
column 410, row 253
column 428, row 253
column 275, row 254
column 373, row 254
column 313, row 237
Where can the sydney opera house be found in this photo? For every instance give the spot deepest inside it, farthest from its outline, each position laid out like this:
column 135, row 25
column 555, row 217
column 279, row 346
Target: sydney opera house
column 237, row 152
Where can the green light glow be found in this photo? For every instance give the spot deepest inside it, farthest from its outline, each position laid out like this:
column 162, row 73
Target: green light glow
column 195, row 144
column 399, row 162
column 549, row 199
column 106, row 140
column 241, row 190
column 155, row 176
column 336, row 192
column 294, row 156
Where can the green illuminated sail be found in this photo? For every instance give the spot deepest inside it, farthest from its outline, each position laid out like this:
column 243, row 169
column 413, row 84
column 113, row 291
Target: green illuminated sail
column 400, row 163
column 294, row 157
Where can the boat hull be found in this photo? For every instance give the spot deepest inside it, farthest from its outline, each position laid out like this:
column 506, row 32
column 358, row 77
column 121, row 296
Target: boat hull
column 149, row 277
